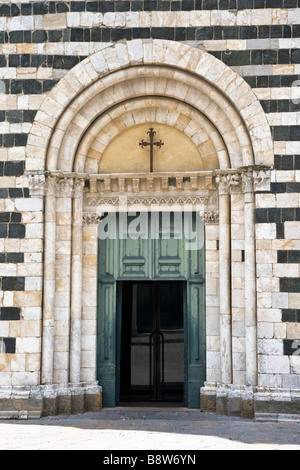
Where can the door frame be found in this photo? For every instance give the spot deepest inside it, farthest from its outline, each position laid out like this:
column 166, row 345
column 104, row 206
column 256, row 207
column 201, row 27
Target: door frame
column 111, row 257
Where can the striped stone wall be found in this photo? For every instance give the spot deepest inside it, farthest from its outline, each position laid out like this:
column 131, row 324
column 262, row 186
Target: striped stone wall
column 41, row 41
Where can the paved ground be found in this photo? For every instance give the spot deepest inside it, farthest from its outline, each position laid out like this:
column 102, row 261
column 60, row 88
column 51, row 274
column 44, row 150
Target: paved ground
column 147, row 429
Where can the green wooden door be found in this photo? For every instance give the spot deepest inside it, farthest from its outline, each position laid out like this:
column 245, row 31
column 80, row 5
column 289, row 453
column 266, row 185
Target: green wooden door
column 195, row 343
column 156, row 254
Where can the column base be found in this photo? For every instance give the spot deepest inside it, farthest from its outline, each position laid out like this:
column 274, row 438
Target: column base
column 277, row 404
column 49, row 400
column 230, row 400
column 261, row 404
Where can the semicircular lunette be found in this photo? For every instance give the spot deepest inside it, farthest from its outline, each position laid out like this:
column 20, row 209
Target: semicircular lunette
column 159, row 111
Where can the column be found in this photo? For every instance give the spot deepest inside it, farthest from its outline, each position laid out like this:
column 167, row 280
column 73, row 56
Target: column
column 64, row 201
column 250, row 281
column 223, row 183
column 76, row 283
column 89, row 296
column 49, row 282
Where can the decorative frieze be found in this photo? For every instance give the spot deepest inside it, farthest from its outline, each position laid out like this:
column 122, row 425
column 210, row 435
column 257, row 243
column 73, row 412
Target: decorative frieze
column 143, row 183
column 181, row 189
column 138, row 188
column 150, row 200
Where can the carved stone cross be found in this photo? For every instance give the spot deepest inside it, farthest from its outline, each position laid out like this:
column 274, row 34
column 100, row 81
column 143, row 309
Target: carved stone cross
column 151, row 144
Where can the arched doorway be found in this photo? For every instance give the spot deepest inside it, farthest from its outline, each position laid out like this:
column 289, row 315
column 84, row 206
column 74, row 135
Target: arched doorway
column 108, row 94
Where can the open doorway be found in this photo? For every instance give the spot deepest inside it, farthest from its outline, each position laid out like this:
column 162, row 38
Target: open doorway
column 151, row 362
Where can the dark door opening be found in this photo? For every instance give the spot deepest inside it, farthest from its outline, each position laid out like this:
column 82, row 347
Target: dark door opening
column 151, row 351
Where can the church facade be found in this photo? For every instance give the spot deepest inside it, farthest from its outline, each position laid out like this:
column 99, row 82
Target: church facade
column 114, row 116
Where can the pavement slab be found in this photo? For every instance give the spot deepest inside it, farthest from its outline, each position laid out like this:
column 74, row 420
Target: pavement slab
column 148, row 429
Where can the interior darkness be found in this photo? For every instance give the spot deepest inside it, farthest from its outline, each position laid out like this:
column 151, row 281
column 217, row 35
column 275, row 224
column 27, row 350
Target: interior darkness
column 152, row 342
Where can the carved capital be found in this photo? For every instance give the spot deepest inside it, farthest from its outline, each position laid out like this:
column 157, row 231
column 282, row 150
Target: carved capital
column 211, row 217
column 262, row 180
column 65, row 187
column 247, row 179
column 91, row 218
column 37, row 184
column 78, row 187
column 228, row 184
column 55, row 185
column 51, row 186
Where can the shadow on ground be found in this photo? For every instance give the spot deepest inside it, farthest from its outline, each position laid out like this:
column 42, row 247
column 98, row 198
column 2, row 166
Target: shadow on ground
column 146, row 429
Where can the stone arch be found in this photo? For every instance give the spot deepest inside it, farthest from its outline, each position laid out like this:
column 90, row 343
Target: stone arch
column 161, row 110
column 119, row 73
column 86, row 105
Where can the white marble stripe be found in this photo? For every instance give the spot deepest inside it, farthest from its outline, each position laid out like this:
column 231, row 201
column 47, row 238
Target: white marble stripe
column 284, row 119
column 283, row 93
column 287, row 148
column 195, row 18
column 87, row 48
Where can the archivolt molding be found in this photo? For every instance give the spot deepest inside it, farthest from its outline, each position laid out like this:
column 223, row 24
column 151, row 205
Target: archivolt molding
column 152, row 81
column 191, row 74
column 161, row 110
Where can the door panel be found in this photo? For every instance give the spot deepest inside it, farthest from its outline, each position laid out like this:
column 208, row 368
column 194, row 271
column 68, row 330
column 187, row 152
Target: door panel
column 196, row 342
column 135, row 259
column 169, row 259
column 106, row 354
